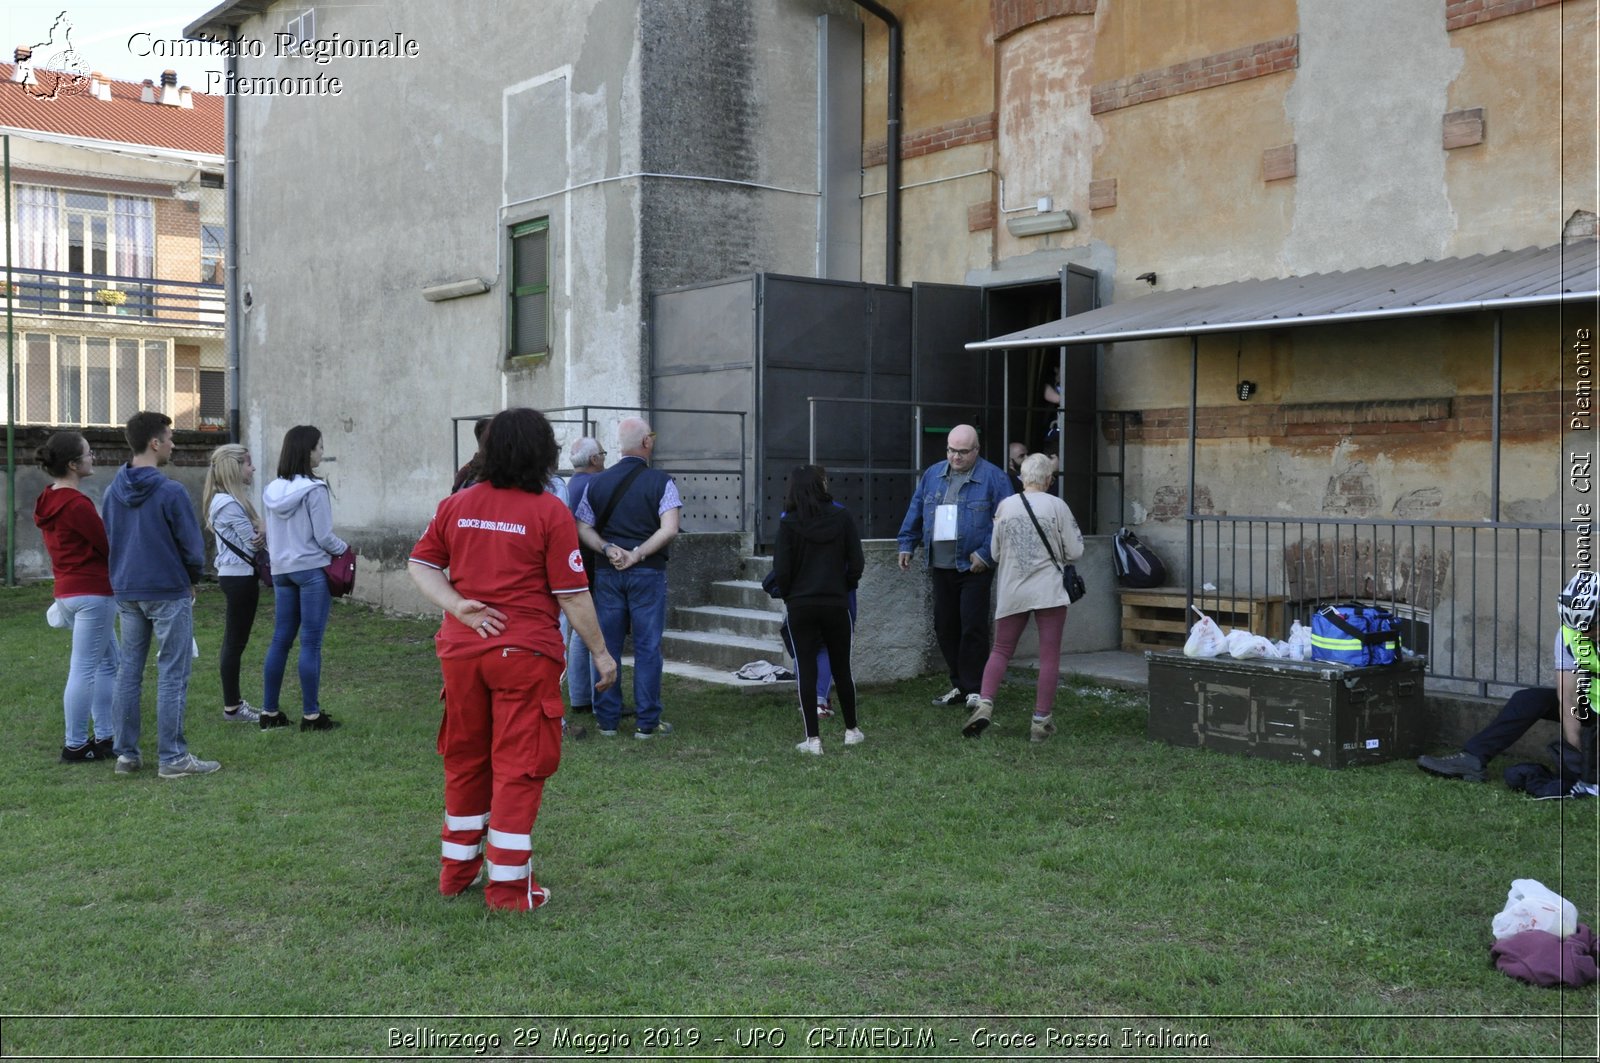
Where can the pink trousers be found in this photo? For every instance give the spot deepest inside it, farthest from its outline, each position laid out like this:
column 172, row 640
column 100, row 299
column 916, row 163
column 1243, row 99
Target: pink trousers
column 1006, row 632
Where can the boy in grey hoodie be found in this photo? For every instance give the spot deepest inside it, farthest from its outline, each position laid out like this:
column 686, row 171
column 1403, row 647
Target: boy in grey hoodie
column 156, row 556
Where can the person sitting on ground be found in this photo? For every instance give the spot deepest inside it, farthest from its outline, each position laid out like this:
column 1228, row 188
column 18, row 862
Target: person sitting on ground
column 1570, row 702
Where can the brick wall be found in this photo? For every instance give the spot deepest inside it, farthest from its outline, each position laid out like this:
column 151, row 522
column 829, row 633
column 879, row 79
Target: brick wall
column 1223, row 68
column 1458, row 14
column 974, row 129
column 1529, row 413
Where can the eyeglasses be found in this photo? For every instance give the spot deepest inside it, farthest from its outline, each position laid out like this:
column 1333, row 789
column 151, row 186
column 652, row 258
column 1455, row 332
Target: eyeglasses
column 89, row 456
column 958, row 452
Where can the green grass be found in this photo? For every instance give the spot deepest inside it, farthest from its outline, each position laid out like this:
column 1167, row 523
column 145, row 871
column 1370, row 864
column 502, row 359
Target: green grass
column 1279, row 910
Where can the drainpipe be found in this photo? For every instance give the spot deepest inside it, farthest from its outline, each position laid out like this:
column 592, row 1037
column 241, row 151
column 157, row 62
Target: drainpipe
column 11, row 392
column 233, row 304
column 891, row 255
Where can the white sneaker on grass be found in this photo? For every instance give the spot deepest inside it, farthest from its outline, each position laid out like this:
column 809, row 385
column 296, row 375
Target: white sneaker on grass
column 812, row 746
column 854, row 737
column 244, row 713
column 189, row 764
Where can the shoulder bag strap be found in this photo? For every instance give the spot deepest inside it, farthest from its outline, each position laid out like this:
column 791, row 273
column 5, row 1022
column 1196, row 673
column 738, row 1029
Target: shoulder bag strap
column 1036, row 527
column 248, row 559
column 616, row 496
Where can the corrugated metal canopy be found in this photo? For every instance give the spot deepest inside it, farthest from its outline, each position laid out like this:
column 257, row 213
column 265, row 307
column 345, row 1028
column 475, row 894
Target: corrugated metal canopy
column 1530, row 277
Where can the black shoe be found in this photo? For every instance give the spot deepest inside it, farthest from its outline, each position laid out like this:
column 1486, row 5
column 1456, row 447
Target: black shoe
column 583, row 708
column 270, row 720
column 79, row 754
column 323, row 722
column 103, row 748
column 1456, row 766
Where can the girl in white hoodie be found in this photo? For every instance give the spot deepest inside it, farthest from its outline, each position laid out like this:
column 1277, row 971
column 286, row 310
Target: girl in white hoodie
column 238, row 531
column 301, row 542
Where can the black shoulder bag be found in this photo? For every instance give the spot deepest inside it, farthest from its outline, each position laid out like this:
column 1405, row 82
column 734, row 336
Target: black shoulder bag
column 1070, row 580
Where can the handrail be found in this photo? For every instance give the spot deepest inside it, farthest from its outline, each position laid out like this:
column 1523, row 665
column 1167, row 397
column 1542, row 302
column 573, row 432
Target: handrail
column 587, row 424
column 97, row 296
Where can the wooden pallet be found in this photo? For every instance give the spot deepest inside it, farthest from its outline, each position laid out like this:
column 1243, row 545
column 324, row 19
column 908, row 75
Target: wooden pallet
column 1159, row 617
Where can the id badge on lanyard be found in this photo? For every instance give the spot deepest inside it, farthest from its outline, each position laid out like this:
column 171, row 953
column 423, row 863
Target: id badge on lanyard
column 944, row 523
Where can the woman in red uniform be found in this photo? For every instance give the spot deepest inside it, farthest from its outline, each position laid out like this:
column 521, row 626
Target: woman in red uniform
column 501, row 558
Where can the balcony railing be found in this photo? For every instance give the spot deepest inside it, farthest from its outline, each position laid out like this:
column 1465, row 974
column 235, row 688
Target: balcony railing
column 97, row 296
column 1475, row 597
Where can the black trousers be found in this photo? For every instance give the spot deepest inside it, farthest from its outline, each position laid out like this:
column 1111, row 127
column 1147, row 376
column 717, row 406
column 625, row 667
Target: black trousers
column 815, row 627
column 961, row 624
column 243, row 594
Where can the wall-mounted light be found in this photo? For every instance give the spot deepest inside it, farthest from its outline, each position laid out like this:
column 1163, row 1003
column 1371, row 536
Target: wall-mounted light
column 1148, row 278
column 438, row 293
column 1246, row 389
column 1056, row 221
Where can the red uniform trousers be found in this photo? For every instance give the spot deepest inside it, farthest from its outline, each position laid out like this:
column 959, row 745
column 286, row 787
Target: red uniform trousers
column 500, row 739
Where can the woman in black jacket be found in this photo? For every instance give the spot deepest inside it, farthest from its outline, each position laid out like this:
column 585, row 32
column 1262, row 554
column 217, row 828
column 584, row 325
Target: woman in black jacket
column 818, row 563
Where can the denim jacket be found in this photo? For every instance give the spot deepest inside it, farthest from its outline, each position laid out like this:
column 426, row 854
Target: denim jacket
column 977, row 500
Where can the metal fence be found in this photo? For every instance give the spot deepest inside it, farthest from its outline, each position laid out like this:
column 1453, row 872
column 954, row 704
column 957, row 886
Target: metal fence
column 704, row 450
column 1474, row 597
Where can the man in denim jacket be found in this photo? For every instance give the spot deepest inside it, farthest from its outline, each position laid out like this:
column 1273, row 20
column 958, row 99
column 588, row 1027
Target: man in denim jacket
column 952, row 516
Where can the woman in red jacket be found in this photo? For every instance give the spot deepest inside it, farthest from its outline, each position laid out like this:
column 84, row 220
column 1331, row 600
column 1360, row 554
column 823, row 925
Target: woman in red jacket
column 76, row 540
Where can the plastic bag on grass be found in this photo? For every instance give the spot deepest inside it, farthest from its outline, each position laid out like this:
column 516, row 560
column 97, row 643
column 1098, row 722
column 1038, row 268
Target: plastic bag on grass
column 1531, row 906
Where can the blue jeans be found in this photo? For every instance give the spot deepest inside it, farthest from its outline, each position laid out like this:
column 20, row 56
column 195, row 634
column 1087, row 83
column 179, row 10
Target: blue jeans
column 632, row 600
column 580, row 674
column 303, row 604
column 92, row 675
column 173, row 625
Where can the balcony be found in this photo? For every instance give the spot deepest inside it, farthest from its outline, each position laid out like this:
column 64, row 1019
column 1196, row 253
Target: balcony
column 96, row 296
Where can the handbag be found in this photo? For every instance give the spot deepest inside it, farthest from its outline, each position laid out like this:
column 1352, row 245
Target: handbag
column 341, row 573
column 260, row 560
column 1137, row 565
column 1071, row 582
column 1355, row 634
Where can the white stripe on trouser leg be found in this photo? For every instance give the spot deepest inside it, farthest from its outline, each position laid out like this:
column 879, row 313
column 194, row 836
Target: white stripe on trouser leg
column 452, row 851
column 501, row 840
column 504, row 873
column 477, row 822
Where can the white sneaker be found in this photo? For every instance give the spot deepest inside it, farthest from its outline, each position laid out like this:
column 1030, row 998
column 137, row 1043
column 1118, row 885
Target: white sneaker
column 972, row 701
column 854, row 737
column 245, row 713
column 949, row 697
column 812, row 746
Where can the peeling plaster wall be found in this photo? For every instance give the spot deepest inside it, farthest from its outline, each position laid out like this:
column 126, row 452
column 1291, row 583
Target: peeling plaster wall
column 1366, row 107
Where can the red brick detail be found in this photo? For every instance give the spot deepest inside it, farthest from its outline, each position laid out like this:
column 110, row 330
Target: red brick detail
column 972, row 130
column 1278, row 163
column 980, row 216
column 1103, row 193
column 1224, row 68
column 1459, row 14
column 1532, row 415
column 1463, row 128
column 1009, row 16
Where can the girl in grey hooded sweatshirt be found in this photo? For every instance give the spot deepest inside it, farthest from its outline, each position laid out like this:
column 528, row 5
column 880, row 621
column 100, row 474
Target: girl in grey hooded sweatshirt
column 301, row 541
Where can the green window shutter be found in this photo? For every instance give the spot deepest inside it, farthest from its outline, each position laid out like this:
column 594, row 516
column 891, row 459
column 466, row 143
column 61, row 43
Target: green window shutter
column 530, row 288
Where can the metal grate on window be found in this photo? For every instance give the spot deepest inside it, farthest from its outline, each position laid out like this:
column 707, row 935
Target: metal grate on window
column 530, row 292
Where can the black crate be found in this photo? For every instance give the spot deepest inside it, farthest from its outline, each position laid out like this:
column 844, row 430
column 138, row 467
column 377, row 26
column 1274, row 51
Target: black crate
column 1306, row 712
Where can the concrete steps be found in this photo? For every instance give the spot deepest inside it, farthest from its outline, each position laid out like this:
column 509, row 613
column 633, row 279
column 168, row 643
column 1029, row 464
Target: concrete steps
column 742, row 624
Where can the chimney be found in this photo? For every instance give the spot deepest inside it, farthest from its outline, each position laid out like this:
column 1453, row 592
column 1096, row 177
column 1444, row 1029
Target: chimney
column 169, row 88
column 22, row 72
column 95, row 80
column 185, row 97
column 147, row 91
column 102, row 89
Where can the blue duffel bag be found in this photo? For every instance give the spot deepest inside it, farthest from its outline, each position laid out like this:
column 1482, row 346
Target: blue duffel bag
column 1355, row 634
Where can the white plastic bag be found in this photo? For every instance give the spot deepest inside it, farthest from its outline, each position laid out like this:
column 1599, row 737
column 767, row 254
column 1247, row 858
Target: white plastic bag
column 56, row 616
column 1299, row 642
column 1205, row 638
column 1530, row 906
column 1242, row 644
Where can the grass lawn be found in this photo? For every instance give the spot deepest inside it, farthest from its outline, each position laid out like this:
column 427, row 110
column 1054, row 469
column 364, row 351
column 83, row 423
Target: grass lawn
column 1068, row 891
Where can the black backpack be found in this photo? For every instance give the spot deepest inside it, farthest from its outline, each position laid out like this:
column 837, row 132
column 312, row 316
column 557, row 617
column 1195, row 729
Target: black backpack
column 1137, row 565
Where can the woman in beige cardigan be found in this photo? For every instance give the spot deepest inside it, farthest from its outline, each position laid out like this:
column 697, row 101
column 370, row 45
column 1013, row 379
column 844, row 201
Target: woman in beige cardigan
column 1028, row 583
